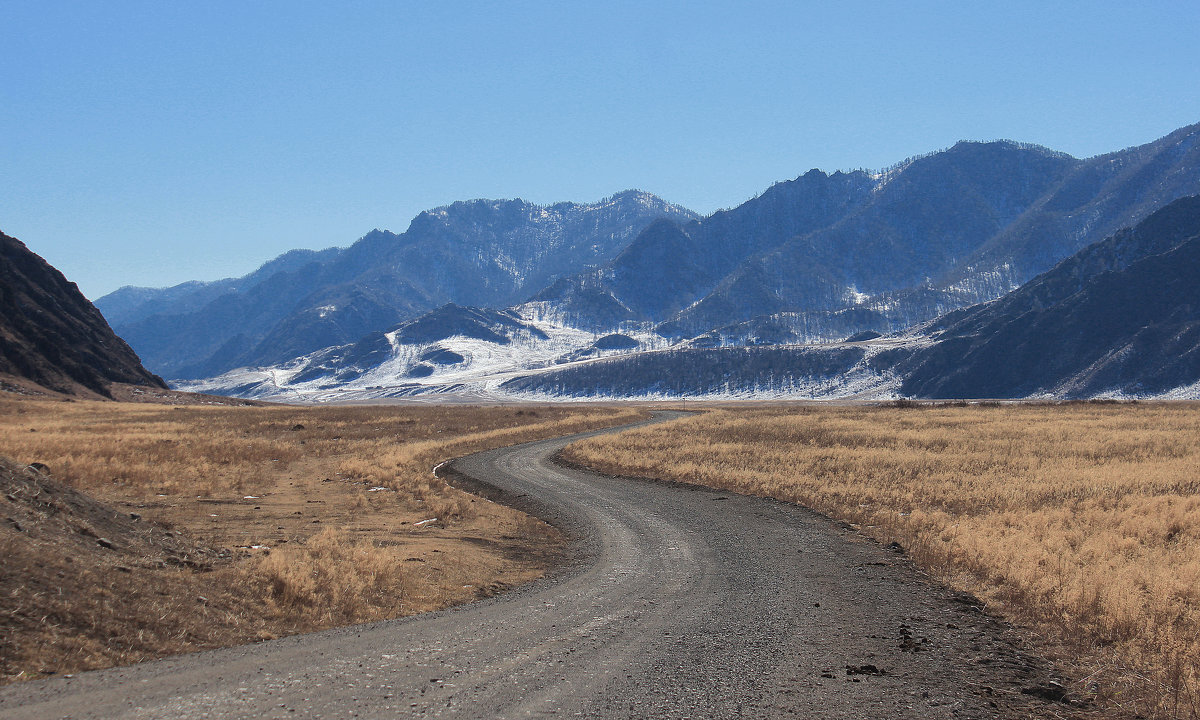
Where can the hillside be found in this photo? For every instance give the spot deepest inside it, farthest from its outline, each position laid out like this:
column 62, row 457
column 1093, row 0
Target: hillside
column 51, row 335
column 1120, row 317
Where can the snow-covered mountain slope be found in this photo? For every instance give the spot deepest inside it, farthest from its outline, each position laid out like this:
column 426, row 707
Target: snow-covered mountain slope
column 489, row 354
column 452, row 349
column 508, row 357
column 825, row 371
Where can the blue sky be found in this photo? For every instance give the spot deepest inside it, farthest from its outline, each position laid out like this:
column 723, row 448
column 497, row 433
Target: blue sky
column 149, row 143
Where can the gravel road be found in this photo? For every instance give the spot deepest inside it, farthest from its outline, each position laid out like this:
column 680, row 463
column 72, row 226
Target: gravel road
column 678, row 602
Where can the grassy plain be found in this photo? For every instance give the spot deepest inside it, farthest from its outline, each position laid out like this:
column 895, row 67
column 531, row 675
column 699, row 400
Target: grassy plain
column 1080, row 521
column 293, row 519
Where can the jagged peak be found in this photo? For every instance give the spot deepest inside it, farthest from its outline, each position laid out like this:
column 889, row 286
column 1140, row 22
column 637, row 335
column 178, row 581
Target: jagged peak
column 631, row 195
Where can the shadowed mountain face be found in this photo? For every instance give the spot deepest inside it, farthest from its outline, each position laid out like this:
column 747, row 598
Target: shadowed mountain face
column 1098, row 197
column 489, row 253
column 932, row 215
column 52, row 335
column 1122, row 316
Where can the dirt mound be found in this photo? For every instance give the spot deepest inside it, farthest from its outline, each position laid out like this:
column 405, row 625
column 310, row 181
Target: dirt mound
column 62, row 521
column 81, row 576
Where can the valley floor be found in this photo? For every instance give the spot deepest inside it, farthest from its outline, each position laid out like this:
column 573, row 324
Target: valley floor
column 675, row 602
column 213, row 526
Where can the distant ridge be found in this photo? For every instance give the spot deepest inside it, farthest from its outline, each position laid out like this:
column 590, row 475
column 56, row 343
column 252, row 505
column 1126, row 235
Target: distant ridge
column 887, row 249
column 1120, row 318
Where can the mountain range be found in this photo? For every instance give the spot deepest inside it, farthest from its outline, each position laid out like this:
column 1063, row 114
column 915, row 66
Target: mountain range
column 1121, row 318
column 483, row 252
column 816, row 259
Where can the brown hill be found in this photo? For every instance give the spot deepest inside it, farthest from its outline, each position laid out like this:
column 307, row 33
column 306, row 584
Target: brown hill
column 51, row 335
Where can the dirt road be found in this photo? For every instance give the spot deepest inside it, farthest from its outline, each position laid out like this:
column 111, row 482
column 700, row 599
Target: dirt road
column 680, row 602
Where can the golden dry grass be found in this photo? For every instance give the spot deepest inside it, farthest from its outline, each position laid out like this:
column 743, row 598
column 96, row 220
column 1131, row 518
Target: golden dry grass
column 309, row 517
column 1080, row 521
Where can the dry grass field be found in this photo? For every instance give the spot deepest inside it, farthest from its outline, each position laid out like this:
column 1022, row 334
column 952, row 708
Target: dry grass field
column 1079, row 521
column 251, row 522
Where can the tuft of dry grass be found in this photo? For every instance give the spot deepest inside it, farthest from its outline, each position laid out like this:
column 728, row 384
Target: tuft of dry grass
column 334, row 578
column 1081, row 521
column 306, row 517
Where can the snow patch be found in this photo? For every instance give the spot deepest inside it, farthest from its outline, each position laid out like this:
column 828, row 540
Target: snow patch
column 856, row 297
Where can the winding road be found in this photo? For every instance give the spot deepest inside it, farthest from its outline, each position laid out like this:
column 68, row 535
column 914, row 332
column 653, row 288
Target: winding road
column 679, row 602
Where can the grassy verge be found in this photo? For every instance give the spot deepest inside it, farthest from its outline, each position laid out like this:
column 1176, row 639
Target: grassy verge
column 1080, row 521
column 255, row 522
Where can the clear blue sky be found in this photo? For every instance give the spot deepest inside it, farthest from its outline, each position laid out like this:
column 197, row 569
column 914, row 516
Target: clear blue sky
column 149, row 143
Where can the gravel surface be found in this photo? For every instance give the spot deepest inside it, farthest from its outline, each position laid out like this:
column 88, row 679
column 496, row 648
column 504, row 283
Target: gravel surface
column 678, row 602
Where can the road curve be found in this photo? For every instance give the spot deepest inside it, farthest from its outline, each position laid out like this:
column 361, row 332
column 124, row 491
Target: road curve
column 680, row 602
